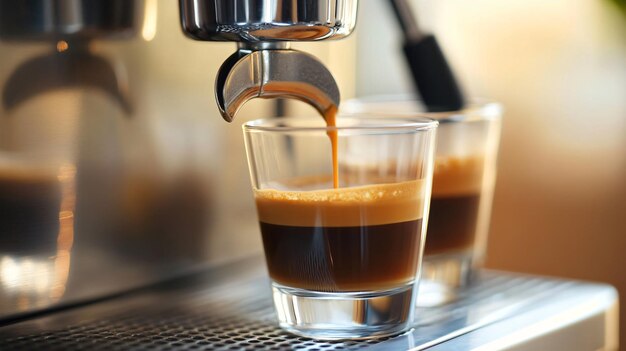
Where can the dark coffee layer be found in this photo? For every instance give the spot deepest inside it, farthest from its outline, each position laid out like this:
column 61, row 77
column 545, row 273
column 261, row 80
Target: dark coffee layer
column 332, row 259
column 29, row 211
column 451, row 224
column 457, row 183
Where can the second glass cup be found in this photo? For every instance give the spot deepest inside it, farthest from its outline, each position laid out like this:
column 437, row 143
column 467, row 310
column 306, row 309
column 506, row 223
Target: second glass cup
column 344, row 261
column 463, row 183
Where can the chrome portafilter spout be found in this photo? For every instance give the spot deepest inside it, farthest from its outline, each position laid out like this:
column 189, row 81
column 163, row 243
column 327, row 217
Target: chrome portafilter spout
column 271, row 70
column 264, row 66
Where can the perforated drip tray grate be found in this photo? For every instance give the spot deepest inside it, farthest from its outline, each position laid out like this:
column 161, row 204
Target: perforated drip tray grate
column 211, row 328
column 230, row 309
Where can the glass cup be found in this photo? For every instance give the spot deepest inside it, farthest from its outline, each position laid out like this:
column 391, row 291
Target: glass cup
column 463, row 184
column 344, row 262
column 37, row 205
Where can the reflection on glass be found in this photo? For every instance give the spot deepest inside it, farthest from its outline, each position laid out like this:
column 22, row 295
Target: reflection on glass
column 36, row 233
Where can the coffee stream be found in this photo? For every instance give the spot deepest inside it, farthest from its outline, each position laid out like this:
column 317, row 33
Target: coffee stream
column 330, row 116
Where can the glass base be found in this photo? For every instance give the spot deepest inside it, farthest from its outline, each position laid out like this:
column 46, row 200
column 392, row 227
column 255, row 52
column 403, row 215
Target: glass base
column 348, row 315
column 442, row 277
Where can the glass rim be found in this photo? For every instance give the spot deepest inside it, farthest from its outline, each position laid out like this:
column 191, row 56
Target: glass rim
column 407, row 123
column 476, row 109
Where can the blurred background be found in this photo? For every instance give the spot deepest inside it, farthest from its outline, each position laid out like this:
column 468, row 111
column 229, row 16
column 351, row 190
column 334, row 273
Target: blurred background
column 159, row 183
column 559, row 69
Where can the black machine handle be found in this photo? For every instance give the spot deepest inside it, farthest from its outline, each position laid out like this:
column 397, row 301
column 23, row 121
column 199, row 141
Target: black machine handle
column 431, row 73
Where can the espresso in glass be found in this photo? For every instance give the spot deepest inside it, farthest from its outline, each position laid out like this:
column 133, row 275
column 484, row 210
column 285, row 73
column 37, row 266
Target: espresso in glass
column 30, row 203
column 340, row 240
column 463, row 185
column 454, row 206
column 341, row 208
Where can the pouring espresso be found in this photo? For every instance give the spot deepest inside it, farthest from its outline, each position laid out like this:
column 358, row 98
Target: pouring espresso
column 264, row 66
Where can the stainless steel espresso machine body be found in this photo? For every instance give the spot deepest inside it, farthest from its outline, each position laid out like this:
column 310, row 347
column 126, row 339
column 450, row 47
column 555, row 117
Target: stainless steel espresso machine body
column 67, row 27
column 50, row 62
column 108, row 147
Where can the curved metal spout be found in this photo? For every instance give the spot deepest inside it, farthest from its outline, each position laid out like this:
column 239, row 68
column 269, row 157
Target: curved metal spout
column 274, row 73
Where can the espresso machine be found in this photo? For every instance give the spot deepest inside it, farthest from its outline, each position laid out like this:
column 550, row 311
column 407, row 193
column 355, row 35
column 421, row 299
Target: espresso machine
column 153, row 241
column 144, row 201
column 264, row 66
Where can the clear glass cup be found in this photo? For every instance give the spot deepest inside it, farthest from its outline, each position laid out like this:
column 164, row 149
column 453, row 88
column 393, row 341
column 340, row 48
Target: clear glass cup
column 463, row 184
column 344, row 262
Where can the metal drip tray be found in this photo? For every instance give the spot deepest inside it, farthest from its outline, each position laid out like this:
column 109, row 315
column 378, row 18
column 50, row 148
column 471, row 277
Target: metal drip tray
column 230, row 308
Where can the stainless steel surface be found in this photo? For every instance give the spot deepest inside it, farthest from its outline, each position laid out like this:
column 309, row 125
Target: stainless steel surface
column 155, row 193
column 258, row 69
column 43, row 20
column 142, row 199
column 267, row 20
column 70, row 67
column 67, row 27
column 273, row 73
column 582, row 318
column 230, row 308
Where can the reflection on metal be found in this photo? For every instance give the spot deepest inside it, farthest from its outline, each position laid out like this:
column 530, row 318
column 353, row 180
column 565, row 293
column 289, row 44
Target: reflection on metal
column 34, row 278
column 263, row 66
column 74, row 20
column 274, row 73
column 149, row 29
column 67, row 179
column 71, row 65
column 70, row 25
column 267, row 20
column 62, row 45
